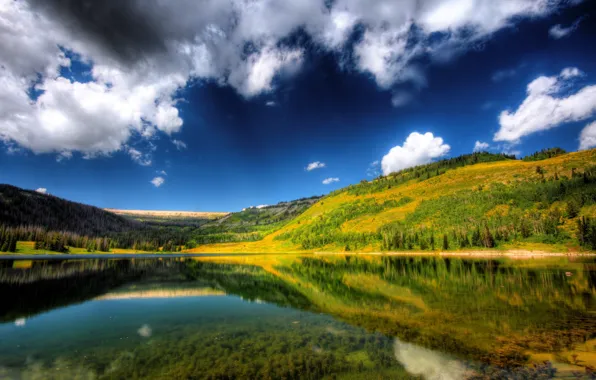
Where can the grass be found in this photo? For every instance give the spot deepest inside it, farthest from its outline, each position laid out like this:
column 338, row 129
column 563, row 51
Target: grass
column 28, row 248
column 426, row 210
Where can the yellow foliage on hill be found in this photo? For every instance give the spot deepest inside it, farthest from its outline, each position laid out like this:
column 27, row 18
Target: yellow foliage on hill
column 473, row 177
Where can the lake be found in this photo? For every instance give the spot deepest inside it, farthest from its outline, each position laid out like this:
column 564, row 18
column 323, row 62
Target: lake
column 297, row 317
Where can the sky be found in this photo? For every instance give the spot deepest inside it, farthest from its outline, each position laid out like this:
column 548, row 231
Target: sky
column 218, row 106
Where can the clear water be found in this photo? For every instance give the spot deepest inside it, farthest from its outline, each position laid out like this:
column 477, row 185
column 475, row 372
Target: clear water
column 311, row 318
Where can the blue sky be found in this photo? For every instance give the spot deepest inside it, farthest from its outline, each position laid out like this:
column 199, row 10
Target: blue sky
column 225, row 144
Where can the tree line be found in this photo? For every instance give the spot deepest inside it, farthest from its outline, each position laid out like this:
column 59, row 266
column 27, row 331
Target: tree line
column 422, row 172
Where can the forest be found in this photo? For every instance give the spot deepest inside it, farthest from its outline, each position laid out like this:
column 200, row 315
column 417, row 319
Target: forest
column 56, row 225
column 548, row 198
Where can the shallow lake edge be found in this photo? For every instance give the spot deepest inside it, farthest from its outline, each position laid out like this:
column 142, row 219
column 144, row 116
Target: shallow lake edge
column 513, row 254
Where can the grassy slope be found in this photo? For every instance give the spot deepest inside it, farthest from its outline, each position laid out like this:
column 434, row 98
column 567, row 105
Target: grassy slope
column 28, row 248
column 449, row 183
column 253, row 223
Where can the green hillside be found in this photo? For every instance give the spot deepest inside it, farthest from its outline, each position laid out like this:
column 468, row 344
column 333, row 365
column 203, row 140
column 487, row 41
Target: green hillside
column 252, row 223
column 546, row 201
column 477, row 201
column 44, row 223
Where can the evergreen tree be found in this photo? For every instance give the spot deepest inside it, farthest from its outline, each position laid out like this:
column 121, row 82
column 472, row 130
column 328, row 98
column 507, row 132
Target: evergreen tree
column 487, row 239
column 476, row 239
column 13, row 245
column 445, row 242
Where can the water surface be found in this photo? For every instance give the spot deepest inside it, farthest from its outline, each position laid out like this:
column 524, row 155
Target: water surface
column 297, row 317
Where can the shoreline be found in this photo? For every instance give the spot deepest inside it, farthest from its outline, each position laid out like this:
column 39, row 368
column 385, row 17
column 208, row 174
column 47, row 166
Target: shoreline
column 512, row 254
column 83, row 256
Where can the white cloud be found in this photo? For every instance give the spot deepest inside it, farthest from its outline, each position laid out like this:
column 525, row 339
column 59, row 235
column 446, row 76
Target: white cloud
column 162, row 172
column 315, row 165
column 270, row 103
column 261, row 206
column 133, row 87
column 255, row 75
column 559, row 31
column 20, row 322
column 480, row 146
column 330, row 180
column 180, row 145
column 544, row 108
column 42, row 190
column 157, row 181
column 62, row 156
column 587, row 137
column 418, row 149
column 571, row 72
column 139, row 157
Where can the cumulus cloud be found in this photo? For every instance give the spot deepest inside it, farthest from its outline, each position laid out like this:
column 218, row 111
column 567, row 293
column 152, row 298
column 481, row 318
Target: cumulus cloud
column 141, row 53
column 157, row 181
column 315, row 165
column 587, row 137
column 546, row 107
column 418, row 149
column 559, row 31
column 480, row 146
column 330, row 180
column 162, row 172
column 42, row 190
column 270, row 103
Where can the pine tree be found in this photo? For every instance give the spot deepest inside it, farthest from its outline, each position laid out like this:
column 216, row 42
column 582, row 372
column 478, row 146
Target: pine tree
column 445, row 242
column 583, row 230
column 487, row 239
column 13, row 245
column 476, row 239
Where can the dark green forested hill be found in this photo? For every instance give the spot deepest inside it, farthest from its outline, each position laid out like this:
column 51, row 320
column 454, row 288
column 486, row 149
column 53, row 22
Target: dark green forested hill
column 19, row 207
column 56, row 224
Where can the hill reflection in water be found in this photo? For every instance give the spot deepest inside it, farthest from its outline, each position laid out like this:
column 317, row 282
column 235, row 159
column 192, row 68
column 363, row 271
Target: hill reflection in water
column 304, row 317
